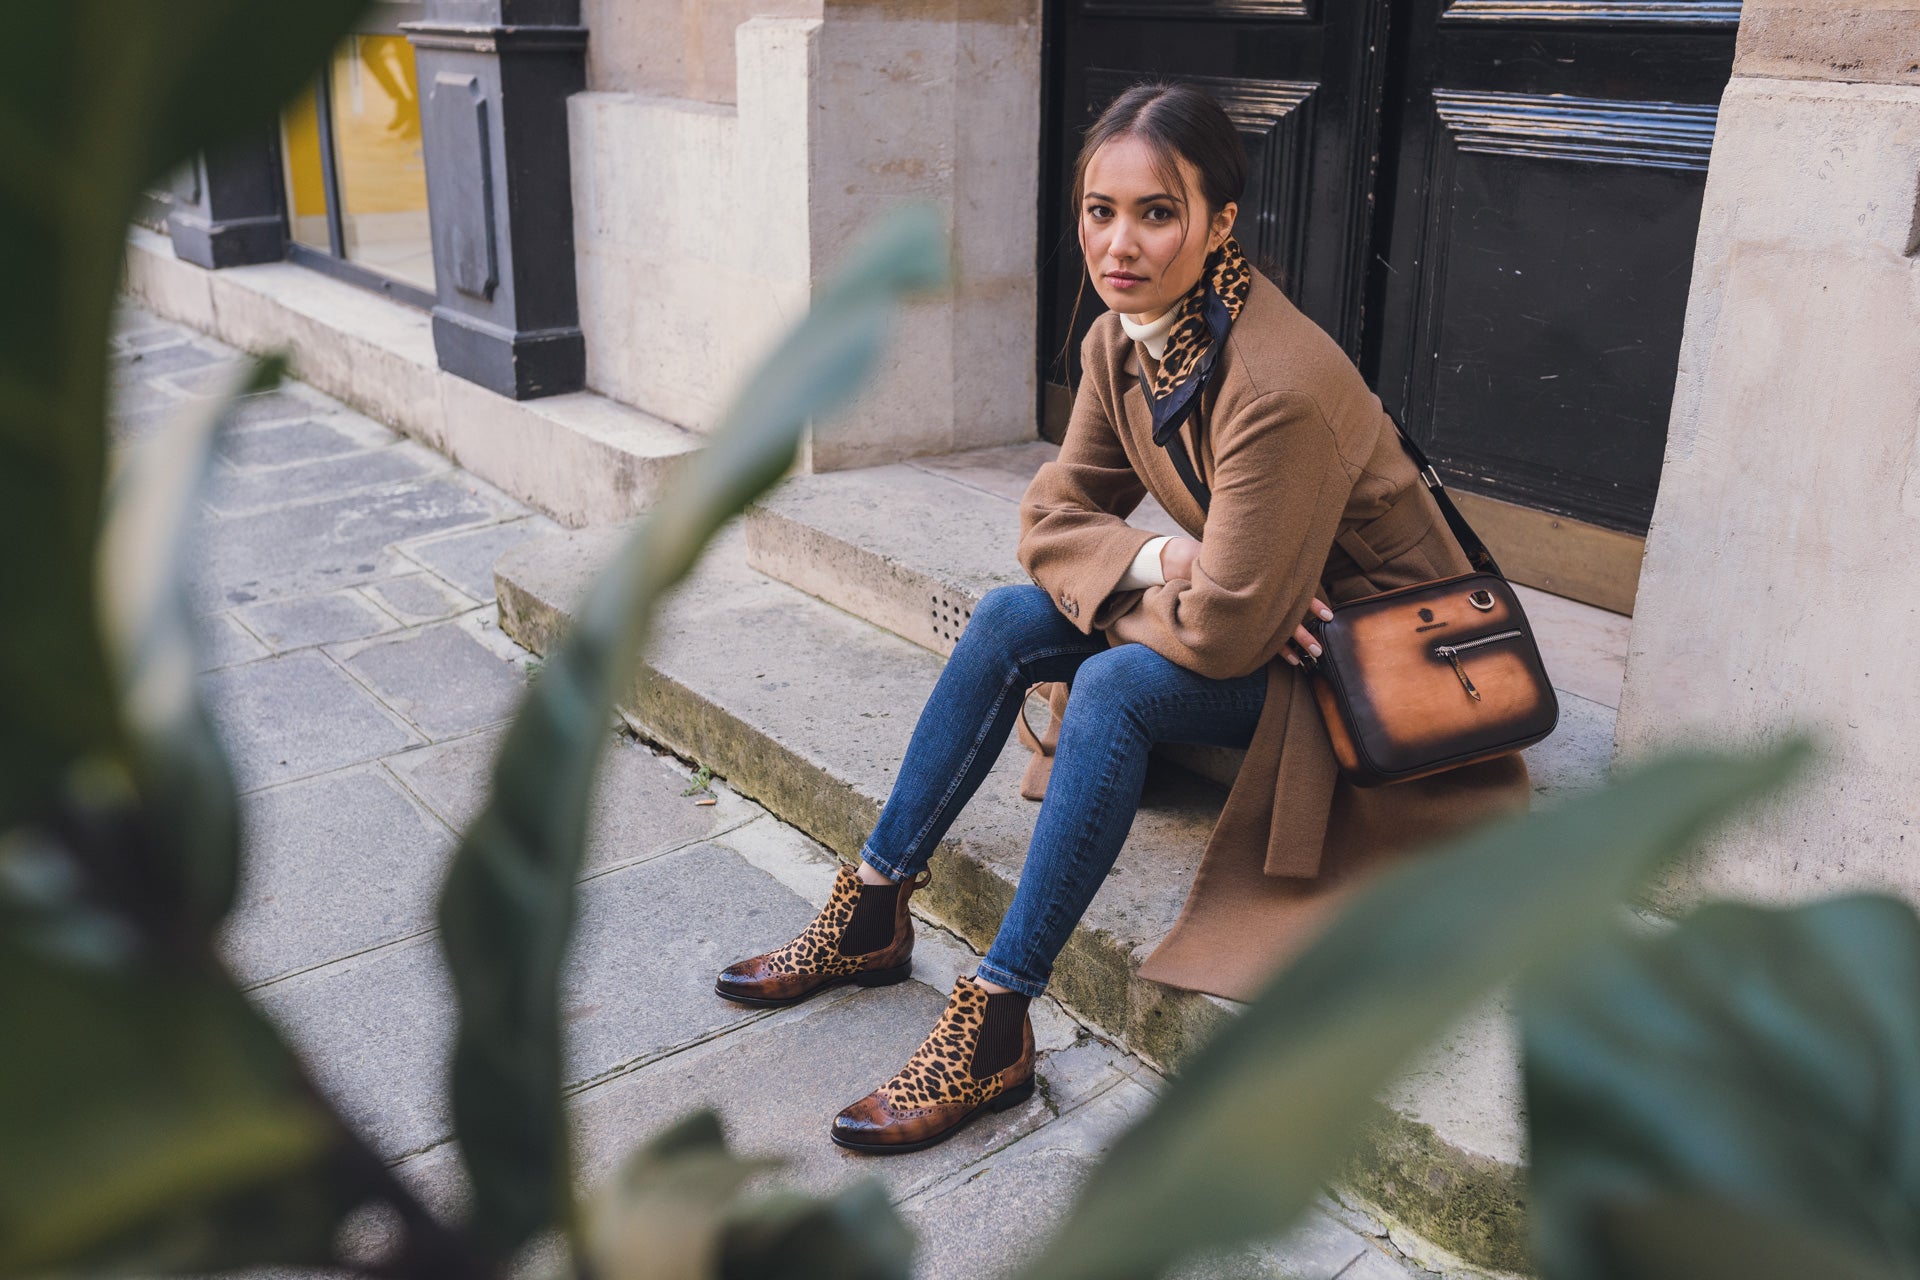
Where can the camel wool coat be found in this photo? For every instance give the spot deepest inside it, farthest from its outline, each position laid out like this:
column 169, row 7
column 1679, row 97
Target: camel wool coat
column 1312, row 493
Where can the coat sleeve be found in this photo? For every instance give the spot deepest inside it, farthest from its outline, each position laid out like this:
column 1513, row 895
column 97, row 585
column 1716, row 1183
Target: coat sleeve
column 1280, row 487
column 1074, row 538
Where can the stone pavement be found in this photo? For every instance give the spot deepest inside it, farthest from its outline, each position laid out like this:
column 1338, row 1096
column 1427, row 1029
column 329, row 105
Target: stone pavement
column 352, row 658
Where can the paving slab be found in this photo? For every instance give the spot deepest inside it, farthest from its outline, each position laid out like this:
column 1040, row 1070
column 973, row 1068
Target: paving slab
column 296, row 715
column 163, row 361
column 650, row 939
column 638, row 808
column 376, row 1032
column 291, row 400
column 203, row 381
column 419, row 597
column 467, row 559
column 334, row 865
column 233, row 492
column 311, row 620
column 778, row 1084
column 224, row 642
column 440, row 678
column 303, row 440
column 316, row 547
column 377, row 1026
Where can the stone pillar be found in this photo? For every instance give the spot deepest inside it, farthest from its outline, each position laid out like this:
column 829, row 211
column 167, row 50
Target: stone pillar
column 495, row 76
column 1779, row 588
column 937, row 101
column 228, row 208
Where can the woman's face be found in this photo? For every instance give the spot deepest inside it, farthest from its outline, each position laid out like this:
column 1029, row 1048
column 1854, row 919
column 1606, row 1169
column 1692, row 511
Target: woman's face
column 1140, row 256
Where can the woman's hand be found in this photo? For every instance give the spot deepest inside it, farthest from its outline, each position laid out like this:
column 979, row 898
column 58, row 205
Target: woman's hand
column 1303, row 641
column 1177, row 559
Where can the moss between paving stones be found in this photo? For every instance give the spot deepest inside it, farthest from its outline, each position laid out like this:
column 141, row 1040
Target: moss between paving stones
column 1468, row 1205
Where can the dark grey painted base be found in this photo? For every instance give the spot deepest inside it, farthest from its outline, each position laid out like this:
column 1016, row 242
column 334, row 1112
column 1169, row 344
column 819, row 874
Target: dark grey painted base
column 227, row 242
column 526, row 366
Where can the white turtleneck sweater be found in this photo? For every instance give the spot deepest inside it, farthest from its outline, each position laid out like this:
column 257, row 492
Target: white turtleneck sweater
column 1145, row 570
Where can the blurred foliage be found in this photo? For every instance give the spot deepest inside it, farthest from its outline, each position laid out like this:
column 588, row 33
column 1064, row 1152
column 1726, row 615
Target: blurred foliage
column 1736, row 1096
column 1759, row 1068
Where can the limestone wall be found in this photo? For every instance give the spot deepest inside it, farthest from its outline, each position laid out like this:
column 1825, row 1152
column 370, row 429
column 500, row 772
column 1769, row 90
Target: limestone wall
column 701, row 227
column 674, row 48
column 1779, row 587
column 691, row 228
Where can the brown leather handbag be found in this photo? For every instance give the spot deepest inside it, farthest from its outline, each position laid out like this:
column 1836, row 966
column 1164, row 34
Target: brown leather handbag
column 1429, row 677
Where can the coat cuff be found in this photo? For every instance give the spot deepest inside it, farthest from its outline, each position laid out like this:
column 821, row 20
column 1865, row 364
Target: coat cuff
column 1086, row 588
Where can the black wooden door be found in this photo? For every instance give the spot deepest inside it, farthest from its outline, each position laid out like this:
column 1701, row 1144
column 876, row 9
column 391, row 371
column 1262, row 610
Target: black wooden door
column 1491, row 203
column 1536, row 238
column 1302, row 79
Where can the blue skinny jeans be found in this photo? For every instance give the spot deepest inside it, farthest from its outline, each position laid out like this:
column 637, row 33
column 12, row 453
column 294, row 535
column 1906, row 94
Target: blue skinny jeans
column 1125, row 699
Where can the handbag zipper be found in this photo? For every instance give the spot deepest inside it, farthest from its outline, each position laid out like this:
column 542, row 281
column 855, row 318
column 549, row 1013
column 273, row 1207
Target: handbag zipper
column 1452, row 652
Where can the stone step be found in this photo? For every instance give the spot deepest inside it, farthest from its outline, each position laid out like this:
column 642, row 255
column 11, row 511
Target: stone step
column 582, row 458
column 913, row 546
column 807, row 709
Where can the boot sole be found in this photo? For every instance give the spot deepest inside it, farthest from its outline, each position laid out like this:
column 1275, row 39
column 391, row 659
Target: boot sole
column 999, row 1102
column 871, row 978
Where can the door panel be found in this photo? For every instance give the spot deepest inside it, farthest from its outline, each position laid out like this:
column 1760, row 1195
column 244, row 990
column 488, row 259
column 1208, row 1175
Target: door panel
column 1547, row 327
column 1538, row 233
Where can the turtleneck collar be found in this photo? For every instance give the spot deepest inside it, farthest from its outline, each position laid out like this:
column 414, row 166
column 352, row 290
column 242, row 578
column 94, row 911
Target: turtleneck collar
column 1153, row 334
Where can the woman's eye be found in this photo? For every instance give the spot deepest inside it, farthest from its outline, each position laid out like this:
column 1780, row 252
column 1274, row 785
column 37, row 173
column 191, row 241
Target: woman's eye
column 1098, row 212
column 1159, row 213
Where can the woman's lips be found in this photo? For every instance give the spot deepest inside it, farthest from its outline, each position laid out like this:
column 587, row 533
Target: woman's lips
column 1121, row 280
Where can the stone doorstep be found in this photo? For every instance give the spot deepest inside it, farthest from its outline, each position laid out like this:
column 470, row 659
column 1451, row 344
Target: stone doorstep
column 913, row 546
column 581, row 458
column 807, row 710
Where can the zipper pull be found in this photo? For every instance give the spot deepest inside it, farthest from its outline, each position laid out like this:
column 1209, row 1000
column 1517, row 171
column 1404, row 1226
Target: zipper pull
column 1452, row 655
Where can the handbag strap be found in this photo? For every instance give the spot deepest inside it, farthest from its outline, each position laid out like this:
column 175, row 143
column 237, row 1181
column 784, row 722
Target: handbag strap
column 1477, row 554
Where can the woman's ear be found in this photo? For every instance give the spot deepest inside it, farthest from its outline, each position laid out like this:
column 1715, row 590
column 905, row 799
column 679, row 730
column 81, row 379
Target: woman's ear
column 1221, row 225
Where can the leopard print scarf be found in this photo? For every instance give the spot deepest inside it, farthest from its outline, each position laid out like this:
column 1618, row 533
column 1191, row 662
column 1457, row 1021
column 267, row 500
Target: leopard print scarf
column 1200, row 326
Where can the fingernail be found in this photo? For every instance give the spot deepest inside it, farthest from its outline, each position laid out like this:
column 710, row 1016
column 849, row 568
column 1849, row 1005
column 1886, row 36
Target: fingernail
column 1326, row 615
column 1291, row 659
column 1314, row 649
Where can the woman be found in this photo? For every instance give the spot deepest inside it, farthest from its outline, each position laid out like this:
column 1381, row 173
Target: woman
column 1195, row 639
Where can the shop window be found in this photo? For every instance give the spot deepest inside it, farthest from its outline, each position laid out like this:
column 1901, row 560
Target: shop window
column 356, row 178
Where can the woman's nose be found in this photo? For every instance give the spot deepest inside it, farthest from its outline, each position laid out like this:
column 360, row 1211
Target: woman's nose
column 1122, row 245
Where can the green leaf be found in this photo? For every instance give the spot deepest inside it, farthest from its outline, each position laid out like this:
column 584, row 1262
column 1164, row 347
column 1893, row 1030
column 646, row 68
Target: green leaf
column 1237, row 1147
column 677, row 1211
column 856, row 1235
column 98, row 98
column 1761, row 1063
column 1688, row 1238
column 192, row 870
column 507, row 909
column 134, row 1105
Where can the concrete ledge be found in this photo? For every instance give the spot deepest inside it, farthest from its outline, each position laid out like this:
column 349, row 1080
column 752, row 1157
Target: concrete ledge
column 580, row 458
column 807, row 711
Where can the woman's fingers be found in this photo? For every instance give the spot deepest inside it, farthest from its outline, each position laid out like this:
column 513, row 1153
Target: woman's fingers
column 1304, row 640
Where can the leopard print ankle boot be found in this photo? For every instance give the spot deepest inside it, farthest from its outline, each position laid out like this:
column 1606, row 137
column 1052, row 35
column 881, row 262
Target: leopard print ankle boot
column 936, row 1093
column 813, row 962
